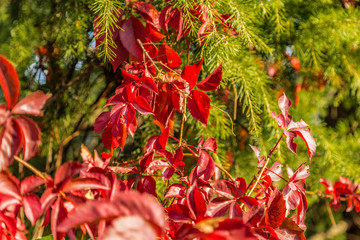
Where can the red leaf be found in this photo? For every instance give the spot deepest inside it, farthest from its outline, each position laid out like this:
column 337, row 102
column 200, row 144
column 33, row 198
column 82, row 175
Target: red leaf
column 300, row 173
column 275, row 171
column 228, row 229
column 152, row 34
column 146, row 160
column 178, row 156
column 261, row 159
column 205, row 166
column 10, row 141
column 210, row 144
column 66, row 171
column 58, row 213
column 119, row 136
column 177, row 22
column 31, row 104
column 30, row 136
column 179, row 213
column 169, row 57
column 175, row 190
column 276, row 209
column 149, row 13
column 32, row 208
column 212, row 81
column 82, row 184
column 308, row 139
column 248, row 201
column 164, row 110
column 167, row 173
column 199, row 106
column 108, row 140
column 196, row 202
column 218, row 207
column 9, row 82
column 30, row 183
column 164, row 18
column 127, row 228
column 284, row 104
column 8, row 186
column 148, row 83
column 130, row 203
column 232, row 229
column 283, row 119
column 132, row 30
column 191, row 73
column 101, row 122
column 47, row 199
column 290, row 230
column 254, row 214
column 142, row 105
column 147, row 184
column 120, row 51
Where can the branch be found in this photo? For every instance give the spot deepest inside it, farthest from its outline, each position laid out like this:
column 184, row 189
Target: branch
column 259, row 175
column 224, row 171
column 30, row 167
column 147, row 54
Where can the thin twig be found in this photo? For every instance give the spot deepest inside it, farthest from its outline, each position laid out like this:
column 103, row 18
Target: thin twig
column 71, row 137
column 224, row 171
column 319, row 194
column 187, row 146
column 182, row 122
column 264, row 167
column 331, row 215
column 235, row 102
column 147, row 54
column 30, row 167
column 232, row 123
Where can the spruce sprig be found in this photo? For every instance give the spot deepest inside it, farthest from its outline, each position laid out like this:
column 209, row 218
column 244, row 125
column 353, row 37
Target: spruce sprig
column 108, row 14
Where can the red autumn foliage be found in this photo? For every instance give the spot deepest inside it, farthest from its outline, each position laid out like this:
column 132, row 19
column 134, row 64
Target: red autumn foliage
column 93, row 197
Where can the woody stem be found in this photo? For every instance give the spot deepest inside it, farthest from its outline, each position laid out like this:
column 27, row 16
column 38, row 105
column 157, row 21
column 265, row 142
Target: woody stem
column 182, row 122
column 260, row 173
column 224, row 171
column 147, row 54
column 30, row 167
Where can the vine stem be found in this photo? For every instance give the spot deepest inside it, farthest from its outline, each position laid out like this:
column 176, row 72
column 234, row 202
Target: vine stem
column 182, row 122
column 224, row 171
column 30, row 167
column 319, row 194
column 232, row 123
column 331, row 215
column 264, row 167
column 147, row 54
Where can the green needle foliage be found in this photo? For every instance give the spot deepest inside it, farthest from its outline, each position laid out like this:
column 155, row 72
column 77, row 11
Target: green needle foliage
column 107, row 14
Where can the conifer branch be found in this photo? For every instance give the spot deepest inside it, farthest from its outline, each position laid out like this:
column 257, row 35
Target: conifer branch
column 107, row 19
